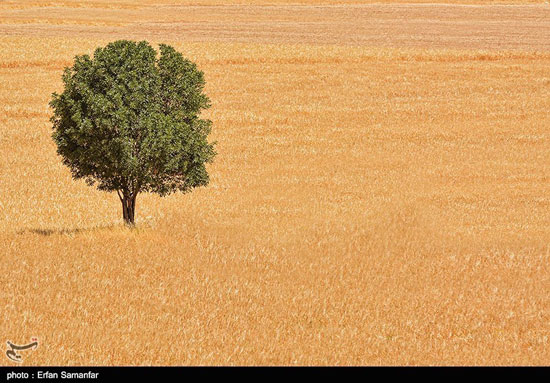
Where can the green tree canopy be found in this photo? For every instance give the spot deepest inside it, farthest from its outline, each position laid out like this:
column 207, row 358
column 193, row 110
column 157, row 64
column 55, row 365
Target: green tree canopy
column 129, row 121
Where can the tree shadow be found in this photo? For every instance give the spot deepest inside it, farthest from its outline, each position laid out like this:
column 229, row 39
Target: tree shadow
column 78, row 230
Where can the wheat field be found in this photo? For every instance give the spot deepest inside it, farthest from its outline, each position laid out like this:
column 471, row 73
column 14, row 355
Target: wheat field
column 381, row 193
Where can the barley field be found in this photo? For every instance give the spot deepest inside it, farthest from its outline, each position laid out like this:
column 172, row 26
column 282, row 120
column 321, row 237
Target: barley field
column 381, row 193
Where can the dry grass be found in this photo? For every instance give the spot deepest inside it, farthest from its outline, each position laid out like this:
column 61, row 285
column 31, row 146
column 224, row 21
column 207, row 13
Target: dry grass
column 382, row 203
column 523, row 27
column 133, row 4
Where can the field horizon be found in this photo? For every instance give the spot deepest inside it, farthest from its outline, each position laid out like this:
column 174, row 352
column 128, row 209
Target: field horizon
column 381, row 193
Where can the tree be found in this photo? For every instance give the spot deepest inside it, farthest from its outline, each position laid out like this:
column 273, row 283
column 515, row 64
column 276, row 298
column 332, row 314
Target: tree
column 128, row 121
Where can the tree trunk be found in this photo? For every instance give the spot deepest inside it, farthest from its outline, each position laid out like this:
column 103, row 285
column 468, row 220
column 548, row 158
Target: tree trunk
column 129, row 209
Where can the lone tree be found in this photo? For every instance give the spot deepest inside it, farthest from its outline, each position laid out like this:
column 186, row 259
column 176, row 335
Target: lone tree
column 128, row 121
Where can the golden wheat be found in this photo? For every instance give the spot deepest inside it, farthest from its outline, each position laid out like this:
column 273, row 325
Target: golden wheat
column 377, row 202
